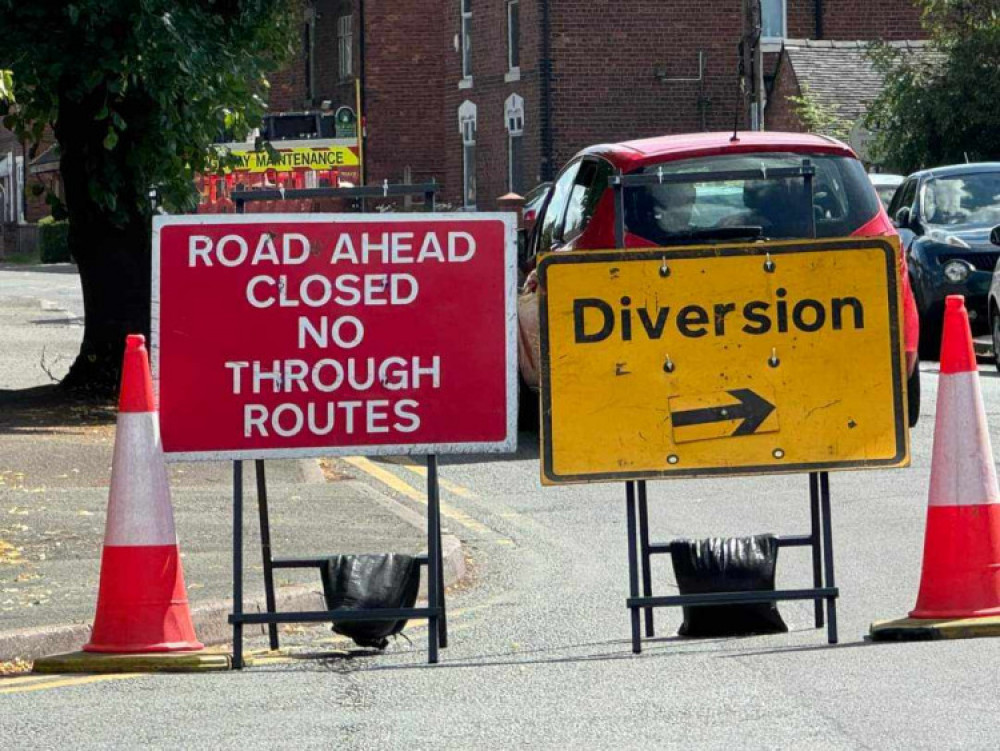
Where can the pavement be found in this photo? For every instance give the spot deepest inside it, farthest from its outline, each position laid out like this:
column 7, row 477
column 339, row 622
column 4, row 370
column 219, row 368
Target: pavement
column 54, row 477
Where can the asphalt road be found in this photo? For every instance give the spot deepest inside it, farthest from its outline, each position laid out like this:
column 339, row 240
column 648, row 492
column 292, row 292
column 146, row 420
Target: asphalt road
column 51, row 297
column 539, row 654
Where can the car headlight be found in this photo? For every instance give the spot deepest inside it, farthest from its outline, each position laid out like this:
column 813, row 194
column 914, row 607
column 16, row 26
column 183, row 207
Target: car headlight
column 957, row 271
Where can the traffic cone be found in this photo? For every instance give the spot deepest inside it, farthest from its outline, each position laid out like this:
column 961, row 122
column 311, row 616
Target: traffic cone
column 142, row 603
column 961, row 571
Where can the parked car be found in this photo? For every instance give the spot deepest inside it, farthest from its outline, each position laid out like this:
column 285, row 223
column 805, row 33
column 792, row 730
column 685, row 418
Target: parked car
column 994, row 303
column 944, row 216
column 885, row 185
column 579, row 213
column 534, row 199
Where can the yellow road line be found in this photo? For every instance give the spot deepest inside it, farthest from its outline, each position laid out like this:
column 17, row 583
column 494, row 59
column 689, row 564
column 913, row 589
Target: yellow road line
column 17, row 680
column 66, row 682
column 420, row 470
column 400, row 486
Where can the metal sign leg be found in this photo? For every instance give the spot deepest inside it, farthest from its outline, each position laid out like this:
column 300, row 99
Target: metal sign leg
column 633, row 565
column 237, row 564
column 816, row 544
column 434, row 575
column 265, row 547
column 831, row 602
column 443, row 622
column 647, row 572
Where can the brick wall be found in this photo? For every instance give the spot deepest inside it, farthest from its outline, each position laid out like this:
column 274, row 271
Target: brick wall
column 406, row 46
column 614, row 63
column 489, row 92
column 289, row 86
column 864, row 19
column 850, row 20
column 780, row 114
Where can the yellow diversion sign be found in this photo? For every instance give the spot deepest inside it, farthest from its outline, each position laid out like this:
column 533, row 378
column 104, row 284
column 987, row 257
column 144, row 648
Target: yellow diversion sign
column 763, row 358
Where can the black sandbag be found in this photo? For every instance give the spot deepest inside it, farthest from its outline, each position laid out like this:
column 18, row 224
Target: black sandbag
column 727, row 564
column 369, row 582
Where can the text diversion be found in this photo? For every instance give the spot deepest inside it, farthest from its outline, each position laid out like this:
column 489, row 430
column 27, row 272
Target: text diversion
column 344, row 332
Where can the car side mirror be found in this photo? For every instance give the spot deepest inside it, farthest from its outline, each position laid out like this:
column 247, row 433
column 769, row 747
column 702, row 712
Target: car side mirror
column 995, row 235
column 902, row 218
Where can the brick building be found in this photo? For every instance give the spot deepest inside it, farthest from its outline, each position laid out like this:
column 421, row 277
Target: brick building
column 491, row 95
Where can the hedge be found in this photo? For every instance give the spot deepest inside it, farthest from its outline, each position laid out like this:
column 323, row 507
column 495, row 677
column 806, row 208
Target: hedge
column 53, row 243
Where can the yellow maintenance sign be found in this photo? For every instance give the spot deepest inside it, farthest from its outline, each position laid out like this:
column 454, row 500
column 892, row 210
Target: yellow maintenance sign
column 763, row 358
column 316, row 158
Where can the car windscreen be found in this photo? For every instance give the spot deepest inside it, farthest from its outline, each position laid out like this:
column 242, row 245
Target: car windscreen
column 843, row 199
column 971, row 200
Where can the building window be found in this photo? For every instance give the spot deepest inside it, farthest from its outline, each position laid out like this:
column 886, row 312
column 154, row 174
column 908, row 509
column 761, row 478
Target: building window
column 467, row 127
column 345, row 46
column 773, row 18
column 466, row 6
column 514, row 122
column 513, row 35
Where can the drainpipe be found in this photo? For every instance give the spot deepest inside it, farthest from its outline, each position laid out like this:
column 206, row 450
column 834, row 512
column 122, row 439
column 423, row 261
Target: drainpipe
column 545, row 71
column 819, row 18
column 362, row 115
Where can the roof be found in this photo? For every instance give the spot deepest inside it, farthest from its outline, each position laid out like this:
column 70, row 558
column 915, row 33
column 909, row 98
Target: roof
column 630, row 155
column 959, row 169
column 838, row 75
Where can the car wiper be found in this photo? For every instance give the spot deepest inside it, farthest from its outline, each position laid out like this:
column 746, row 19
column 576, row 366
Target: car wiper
column 744, row 232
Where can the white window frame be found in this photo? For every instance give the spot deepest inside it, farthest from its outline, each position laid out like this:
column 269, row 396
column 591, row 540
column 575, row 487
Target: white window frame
column 467, row 128
column 773, row 43
column 513, row 109
column 513, row 42
column 345, row 46
column 465, row 41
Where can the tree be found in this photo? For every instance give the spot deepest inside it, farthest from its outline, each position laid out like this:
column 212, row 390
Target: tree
column 136, row 91
column 941, row 107
column 817, row 117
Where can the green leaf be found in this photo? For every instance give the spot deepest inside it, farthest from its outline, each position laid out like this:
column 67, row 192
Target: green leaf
column 111, row 139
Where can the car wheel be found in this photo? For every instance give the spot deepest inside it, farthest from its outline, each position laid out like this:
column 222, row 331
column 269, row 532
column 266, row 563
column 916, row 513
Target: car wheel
column 995, row 329
column 527, row 406
column 913, row 396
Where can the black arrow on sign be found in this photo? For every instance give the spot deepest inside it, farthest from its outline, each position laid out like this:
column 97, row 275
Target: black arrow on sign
column 752, row 409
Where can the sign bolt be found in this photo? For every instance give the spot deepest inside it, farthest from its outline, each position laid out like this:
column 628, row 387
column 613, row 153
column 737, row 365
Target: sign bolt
column 778, row 454
column 673, row 459
column 773, row 360
column 664, row 269
column 769, row 264
column 668, row 365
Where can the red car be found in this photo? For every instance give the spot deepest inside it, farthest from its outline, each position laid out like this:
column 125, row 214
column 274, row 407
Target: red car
column 579, row 212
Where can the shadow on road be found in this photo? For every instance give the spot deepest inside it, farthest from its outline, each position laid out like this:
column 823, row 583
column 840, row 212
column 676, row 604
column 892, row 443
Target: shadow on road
column 43, row 409
column 614, row 649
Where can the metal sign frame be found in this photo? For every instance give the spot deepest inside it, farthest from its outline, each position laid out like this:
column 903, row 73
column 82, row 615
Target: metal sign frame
column 435, row 612
column 820, row 537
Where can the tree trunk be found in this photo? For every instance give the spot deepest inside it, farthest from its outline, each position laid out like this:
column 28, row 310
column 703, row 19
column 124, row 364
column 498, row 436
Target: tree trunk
column 111, row 249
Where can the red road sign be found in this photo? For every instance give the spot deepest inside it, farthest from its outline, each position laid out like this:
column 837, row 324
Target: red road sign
column 292, row 335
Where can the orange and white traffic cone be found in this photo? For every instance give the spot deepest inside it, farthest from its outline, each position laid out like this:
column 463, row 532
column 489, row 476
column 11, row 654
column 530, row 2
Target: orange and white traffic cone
column 142, row 603
column 961, row 571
